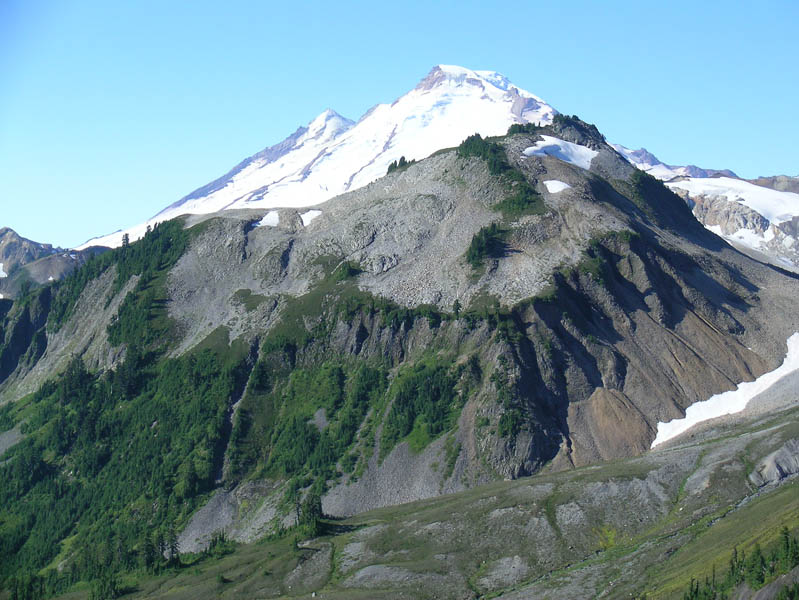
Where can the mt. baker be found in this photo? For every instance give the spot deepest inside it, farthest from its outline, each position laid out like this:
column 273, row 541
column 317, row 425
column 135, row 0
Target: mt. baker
column 333, row 154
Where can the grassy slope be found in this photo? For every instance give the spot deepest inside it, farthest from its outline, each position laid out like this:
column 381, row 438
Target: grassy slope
column 758, row 521
column 660, row 559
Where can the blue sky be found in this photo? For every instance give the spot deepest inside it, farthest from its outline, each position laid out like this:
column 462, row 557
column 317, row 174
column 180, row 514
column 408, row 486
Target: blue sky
column 110, row 111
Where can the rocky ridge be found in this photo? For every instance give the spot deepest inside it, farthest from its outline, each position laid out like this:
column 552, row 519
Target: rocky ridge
column 25, row 263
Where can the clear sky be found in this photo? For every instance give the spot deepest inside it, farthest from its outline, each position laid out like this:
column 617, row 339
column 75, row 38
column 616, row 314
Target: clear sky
column 111, row 110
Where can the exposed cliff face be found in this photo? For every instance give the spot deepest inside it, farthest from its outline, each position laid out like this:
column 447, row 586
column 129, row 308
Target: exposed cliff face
column 729, row 217
column 781, row 183
column 33, row 353
column 22, row 336
column 774, row 242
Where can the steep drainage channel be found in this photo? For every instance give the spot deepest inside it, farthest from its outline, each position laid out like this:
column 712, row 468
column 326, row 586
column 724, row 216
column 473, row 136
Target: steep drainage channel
column 222, row 460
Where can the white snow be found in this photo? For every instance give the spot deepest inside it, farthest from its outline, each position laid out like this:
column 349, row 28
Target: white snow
column 569, row 152
column 1, row 296
column 271, row 219
column 114, row 240
column 554, row 186
column 646, row 161
column 731, row 402
column 745, row 237
column 715, row 229
column 50, row 278
column 775, row 206
column 2, row 273
column 309, row 216
column 748, row 237
column 333, row 155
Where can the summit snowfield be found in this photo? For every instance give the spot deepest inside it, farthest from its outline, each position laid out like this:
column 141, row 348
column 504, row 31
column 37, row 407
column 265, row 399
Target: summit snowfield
column 333, row 155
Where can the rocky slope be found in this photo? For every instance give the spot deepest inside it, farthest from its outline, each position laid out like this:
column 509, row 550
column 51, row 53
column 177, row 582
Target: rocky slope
column 781, row 183
column 639, row 328
column 25, row 263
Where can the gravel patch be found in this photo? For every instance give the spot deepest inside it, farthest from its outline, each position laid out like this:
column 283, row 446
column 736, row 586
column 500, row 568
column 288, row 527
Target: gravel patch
column 10, row 438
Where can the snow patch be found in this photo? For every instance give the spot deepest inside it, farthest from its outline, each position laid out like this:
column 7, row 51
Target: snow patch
column 309, row 216
column 575, row 154
column 775, row 206
column 554, row 186
column 731, row 402
column 2, row 273
column 50, row 278
column 747, row 237
column 271, row 219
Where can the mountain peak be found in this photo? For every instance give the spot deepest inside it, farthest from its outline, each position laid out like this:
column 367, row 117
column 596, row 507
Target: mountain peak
column 333, row 155
column 646, row 161
column 453, row 74
column 328, row 124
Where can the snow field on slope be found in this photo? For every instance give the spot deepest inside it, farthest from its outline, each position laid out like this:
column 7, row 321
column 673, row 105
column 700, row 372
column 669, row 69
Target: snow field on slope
column 566, row 151
column 2, row 273
column 775, row 206
column 271, row 219
column 309, row 216
column 277, row 175
column 746, row 237
column 415, row 126
column 734, row 401
column 554, row 186
column 114, row 240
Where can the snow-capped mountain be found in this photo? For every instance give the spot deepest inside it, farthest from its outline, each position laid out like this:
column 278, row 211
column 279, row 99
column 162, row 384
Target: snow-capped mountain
column 333, row 154
column 646, row 161
column 750, row 214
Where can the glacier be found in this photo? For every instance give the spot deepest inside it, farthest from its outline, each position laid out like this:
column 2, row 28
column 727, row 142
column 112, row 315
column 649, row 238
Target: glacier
column 333, row 154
